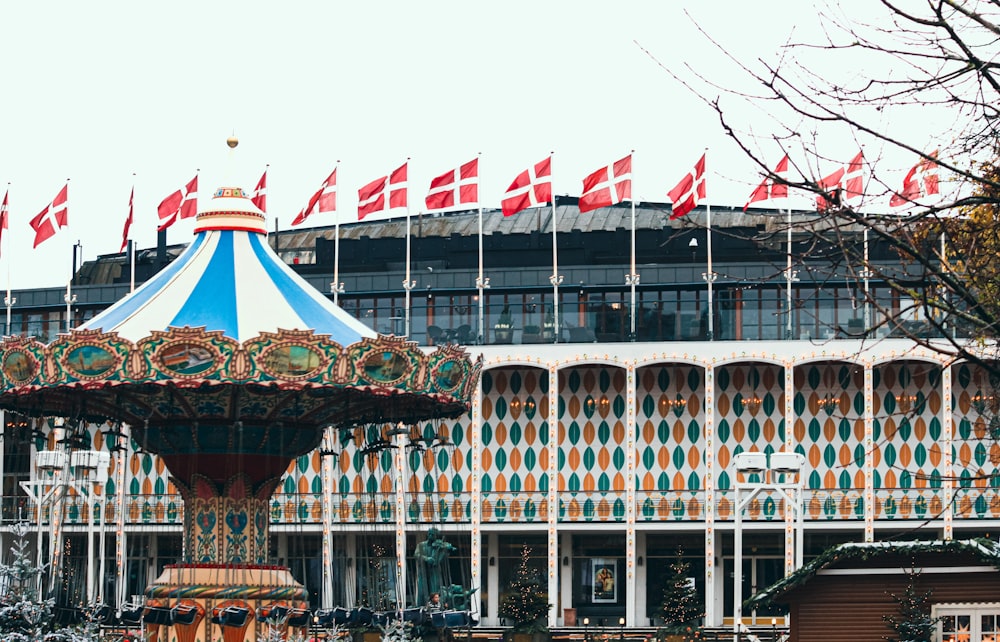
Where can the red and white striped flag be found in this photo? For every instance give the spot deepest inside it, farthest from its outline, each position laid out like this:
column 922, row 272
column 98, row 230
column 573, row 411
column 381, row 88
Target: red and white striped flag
column 324, row 200
column 455, row 189
column 372, row 197
column 685, row 196
column 259, row 196
column 181, row 204
column 128, row 220
column 531, row 188
column 607, row 186
column 921, row 181
column 843, row 185
column 769, row 189
column 4, row 216
column 52, row 218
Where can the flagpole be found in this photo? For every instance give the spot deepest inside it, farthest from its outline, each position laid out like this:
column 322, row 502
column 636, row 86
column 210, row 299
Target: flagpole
column 556, row 280
column 632, row 278
column 482, row 283
column 709, row 276
column 408, row 284
column 131, row 243
column 337, row 288
column 866, row 275
column 789, row 277
column 8, row 300
column 70, row 298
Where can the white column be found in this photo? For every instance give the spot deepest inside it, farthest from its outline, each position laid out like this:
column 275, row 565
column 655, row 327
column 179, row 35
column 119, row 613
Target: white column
column 631, row 578
column 475, row 493
column 400, row 460
column 947, row 437
column 351, row 573
column 326, row 460
column 640, row 580
column 792, row 543
column 493, row 579
column 553, row 494
column 566, row 585
column 713, row 583
column 869, row 393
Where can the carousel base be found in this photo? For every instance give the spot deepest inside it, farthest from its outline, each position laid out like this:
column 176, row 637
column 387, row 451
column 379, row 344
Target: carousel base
column 232, row 602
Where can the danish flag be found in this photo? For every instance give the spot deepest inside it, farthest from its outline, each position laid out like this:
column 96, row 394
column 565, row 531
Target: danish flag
column 843, row 185
column 128, row 221
column 455, row 188
column 531, row 188
column 372, row 197
column 324, row 200
column 52, row 218
column 607, row 186
column 685, row 196
column 769, row 189
column 4, row 221
column 259, row 196
column 181, row 204
column 922, row 180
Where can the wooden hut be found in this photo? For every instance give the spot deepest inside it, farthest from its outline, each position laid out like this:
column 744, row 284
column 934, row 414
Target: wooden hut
column 842, row 595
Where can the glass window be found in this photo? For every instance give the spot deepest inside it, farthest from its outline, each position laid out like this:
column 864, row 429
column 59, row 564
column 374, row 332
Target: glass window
column 968, row 623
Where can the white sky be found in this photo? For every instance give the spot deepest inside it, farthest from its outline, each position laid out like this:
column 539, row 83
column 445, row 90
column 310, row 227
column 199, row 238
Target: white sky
column 97, row 91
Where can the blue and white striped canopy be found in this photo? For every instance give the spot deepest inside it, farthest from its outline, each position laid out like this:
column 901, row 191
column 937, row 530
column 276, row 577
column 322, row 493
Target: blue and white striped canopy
column 229, row 279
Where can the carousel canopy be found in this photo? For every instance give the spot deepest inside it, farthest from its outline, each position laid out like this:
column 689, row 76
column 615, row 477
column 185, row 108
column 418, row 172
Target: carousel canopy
column 229, row 280
column 228, row 352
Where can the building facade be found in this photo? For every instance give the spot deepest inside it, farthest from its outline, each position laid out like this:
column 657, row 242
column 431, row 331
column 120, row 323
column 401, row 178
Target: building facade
column 608, row 451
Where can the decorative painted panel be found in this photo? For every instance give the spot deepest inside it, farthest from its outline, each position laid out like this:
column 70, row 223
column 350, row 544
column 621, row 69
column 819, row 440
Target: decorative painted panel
column 592, row 441
column 975, row 449
column 364, row 476
column 152, row 498
column 908, row 458
column 670, row 458
column 749, row 405
column 829, row 430
column 299, row 495
column 514, row 445
column 437, row 458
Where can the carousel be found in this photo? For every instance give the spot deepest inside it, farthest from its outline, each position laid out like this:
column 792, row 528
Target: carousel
column 228, row 365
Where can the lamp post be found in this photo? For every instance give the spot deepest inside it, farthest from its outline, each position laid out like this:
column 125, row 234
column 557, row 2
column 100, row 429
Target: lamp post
column 621, row 629
column 782, row 475
column 586, row 629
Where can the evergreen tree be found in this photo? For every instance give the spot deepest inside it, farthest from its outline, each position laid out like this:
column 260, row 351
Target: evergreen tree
column 24, row 616
column 912, row 621
column 526, row 603
column 681, row 608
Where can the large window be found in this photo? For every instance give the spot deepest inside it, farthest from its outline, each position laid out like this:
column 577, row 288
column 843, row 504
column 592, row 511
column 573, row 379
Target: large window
column 967, row 622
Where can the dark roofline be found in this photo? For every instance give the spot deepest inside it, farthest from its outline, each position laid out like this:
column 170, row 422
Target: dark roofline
column 984, row 549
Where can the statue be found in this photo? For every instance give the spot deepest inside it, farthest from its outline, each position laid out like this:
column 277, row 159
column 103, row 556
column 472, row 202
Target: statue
column 457, row 598
column 432, row 564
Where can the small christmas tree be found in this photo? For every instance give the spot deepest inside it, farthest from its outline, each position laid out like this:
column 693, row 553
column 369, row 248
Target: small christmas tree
column 24, row 616
column 526, row 603
column 681, row 609
column 912, row 621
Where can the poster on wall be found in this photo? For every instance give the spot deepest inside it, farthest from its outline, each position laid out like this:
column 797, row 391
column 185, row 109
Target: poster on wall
column 605, row 574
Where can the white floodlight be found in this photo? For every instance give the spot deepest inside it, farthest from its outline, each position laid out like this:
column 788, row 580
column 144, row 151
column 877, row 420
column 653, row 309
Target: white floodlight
column 750, row 463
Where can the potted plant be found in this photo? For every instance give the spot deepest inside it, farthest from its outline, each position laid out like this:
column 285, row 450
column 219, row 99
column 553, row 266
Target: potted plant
column 503, row 329
column 680, row 608
column 526, row 605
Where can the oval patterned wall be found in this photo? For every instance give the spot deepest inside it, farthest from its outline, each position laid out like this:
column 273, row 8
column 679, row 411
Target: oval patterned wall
column 670, row 458
column 592, row 440
column 975, row 449
column 907, row 455
column 514, row 443
column 829, row 430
